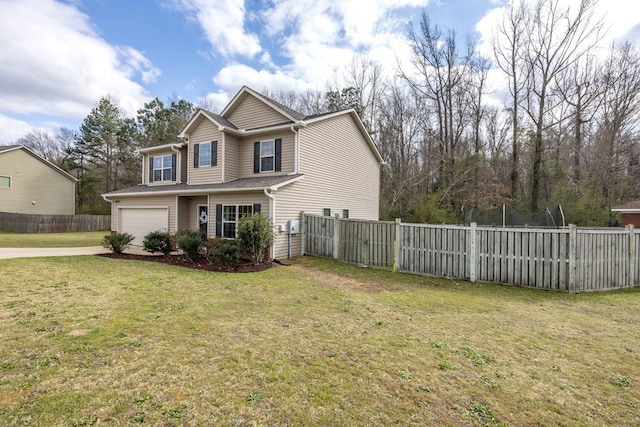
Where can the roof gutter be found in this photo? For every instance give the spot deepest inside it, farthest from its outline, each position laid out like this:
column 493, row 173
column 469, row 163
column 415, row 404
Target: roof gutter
column 241, row 132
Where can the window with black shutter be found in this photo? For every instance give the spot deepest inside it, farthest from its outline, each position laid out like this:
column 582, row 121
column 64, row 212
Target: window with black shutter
column 205, row 154
column 267, row 156
column 162, row 168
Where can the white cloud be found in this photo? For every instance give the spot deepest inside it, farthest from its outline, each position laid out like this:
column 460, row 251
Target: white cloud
column 53, row 62
column 12, row 129
column 233, row 76
column 619, row 24
column 223, row 23
column 318, row 39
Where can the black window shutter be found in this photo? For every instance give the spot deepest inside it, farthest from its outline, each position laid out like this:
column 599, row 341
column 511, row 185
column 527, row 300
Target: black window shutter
column 256, row 208
column 196, row 155
column 214, row 153
column 150, row 169
column 174, row 161
column 278, row 155
column 256, row 157
column 218, row 220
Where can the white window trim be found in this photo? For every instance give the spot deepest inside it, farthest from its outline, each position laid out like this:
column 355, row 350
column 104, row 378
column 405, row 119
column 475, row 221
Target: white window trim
column 162, row 168
column 273, row 156
column 237, row 215
column 200, row 164
column 9, row 178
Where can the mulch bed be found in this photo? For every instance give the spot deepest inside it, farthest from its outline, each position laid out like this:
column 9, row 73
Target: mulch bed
column 245, row 266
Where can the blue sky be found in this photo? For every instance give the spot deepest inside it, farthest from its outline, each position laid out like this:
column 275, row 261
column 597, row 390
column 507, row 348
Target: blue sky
column 58, row 57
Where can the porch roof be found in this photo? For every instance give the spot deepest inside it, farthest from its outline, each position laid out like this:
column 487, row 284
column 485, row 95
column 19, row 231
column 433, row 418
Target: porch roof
column 182, row 189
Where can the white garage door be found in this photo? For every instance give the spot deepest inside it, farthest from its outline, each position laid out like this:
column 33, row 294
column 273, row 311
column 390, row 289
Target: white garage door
column 140, row 221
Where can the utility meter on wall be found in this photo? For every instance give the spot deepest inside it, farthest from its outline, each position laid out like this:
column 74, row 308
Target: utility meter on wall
column 294, row 226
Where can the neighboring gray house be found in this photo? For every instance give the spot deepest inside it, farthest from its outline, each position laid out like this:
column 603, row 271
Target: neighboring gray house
column 31, row 184
column 255, row 156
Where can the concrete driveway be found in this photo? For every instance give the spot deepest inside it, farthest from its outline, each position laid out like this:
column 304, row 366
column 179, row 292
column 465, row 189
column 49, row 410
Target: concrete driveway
column 40, row 252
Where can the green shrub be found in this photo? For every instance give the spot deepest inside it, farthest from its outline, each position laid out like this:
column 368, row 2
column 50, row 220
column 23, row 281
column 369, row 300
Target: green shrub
column 225, row 253
column 157, row 241
column 190, row 242
column 208, row 248
column 117, row 242
column 255, row 234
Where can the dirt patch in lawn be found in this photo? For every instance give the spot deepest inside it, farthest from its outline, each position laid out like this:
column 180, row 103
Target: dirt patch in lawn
column 245, row 266
column 347, row 283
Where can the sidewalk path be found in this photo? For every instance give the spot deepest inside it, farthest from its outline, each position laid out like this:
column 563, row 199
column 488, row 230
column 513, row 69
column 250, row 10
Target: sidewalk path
column 40, row 252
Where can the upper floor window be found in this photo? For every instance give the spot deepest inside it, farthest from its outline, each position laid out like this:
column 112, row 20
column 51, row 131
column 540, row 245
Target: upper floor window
column 267, row 156
column 5, row 181
column 267, row 153
column 162, row 168
column 205, row 154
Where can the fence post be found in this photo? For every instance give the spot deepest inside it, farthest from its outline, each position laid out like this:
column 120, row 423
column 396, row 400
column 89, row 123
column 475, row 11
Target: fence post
column 303, row 249
column 632, row 257
column 573, row 249
column 396, row 246
column 473, row 262
column 336, row 237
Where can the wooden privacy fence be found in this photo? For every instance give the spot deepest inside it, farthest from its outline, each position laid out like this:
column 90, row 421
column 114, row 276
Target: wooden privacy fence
column 31, row 223
column 569, row 259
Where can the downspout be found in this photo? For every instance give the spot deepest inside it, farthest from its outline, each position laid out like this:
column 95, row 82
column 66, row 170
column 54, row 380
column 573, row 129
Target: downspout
column 110, row 207
column 178, row 163
column 272, row 215
column 144, row 169
column 296, row 151
column 222, row 154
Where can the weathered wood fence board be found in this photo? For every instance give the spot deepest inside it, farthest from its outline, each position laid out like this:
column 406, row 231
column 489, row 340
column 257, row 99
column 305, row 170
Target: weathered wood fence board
column 30, row 223
column 568, row 259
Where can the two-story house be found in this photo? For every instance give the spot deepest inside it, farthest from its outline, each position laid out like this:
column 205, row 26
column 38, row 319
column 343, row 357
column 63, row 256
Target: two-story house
column 30, row 184
column 255, row 156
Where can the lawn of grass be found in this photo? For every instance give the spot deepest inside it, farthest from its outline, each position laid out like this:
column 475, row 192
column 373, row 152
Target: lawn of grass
column 51, row 240
column 96, row 341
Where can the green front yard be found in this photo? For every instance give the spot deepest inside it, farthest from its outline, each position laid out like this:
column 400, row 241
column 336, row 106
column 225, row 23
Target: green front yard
column 97, row 341
column 51, row 240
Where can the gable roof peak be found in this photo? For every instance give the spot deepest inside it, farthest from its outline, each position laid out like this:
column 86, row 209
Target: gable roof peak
column 245, row 90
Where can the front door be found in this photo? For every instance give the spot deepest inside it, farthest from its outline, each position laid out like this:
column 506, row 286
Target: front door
column 203, row 220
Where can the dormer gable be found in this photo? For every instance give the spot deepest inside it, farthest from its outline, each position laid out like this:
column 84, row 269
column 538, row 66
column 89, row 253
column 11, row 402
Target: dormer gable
column 202, row 114
column 251, row 110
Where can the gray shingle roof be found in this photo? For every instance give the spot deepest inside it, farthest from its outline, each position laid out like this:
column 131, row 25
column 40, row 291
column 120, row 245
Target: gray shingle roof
column 8, row 147
column 628, row 206
column 242, row 184
column 293, row 113
column 222, row 120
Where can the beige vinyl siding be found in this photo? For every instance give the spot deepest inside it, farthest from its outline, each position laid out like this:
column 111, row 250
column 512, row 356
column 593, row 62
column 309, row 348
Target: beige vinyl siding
column 184, row 214
column 33, row 180
column 253, row 113
column 232, row 161
column 141, row 202
column 205, row 131
column 288, row 152
column 250, row 198
column 340, row 172
column 194, row 223
column 146, row 165
column 184, row 163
